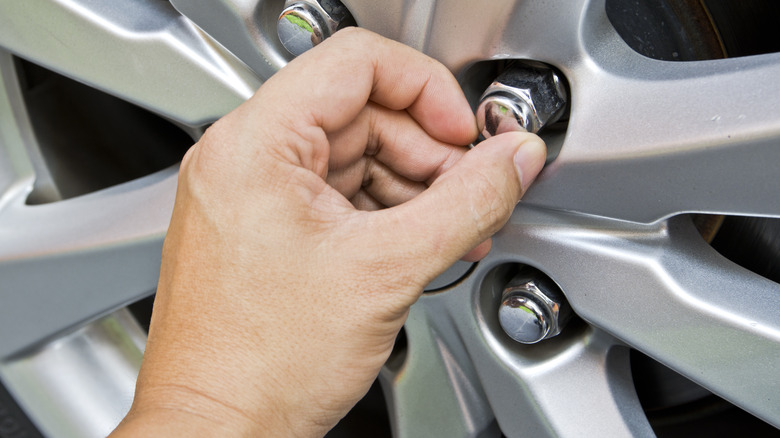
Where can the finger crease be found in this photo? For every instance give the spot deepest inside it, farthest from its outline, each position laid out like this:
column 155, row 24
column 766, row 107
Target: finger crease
column 422, row 91
column 367, row 172
column 374, row 144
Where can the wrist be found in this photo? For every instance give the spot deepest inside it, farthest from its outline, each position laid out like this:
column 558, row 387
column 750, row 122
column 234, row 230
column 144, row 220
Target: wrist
column 175, row 423
column 182, row 411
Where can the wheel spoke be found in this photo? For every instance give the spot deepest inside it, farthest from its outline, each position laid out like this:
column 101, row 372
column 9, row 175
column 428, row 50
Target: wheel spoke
column 460, row 365
column 247, row 28
column 141, row 51
column 651, row 139
column 561, row 395
column 430, row 387
column 22, row 167
column 81, row 384
column 458, row 33
column 664, row 291
column 67, row 262
column 553, row 388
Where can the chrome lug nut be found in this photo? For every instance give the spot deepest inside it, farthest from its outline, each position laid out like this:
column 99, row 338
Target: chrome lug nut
column 532, row 309
column 526, row 96
column 305, row 23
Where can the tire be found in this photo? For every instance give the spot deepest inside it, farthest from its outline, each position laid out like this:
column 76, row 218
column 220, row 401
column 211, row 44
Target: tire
column 672, row 336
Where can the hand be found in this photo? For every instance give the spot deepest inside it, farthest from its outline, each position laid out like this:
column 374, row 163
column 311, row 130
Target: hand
column 278, row 299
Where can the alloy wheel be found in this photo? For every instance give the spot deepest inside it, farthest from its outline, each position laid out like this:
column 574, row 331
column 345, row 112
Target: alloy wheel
column 647, row 143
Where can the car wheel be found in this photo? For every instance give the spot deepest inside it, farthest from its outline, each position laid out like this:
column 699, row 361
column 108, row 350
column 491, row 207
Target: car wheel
column 655, row 219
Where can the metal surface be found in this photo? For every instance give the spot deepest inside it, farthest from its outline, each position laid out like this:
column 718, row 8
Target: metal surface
column 532, row 309
column 245, row 27
column 85, row 380
column 450, row 276
column 305, row 23
column 524, row 319
column 647, row 141
column 141, row 51
column 98, row 252
column 525, row 97
column 299, row 28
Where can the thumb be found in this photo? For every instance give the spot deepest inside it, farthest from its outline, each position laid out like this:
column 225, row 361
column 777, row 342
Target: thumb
column 468, row 203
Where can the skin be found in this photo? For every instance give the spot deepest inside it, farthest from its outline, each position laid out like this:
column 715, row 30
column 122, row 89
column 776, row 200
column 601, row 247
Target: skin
column 306, row 223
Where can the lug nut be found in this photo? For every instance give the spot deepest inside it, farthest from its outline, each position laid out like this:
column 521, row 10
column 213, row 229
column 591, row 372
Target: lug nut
column 526, row 96
column 305, row 23
column 532, row 308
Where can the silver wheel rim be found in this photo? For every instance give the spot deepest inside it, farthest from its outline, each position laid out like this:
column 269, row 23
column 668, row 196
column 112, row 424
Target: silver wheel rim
column 647, row 142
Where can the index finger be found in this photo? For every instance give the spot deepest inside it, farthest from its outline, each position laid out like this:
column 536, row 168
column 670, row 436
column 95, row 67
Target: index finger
column 355, row 66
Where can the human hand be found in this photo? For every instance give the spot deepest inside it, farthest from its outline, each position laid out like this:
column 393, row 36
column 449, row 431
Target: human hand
column 278, row 300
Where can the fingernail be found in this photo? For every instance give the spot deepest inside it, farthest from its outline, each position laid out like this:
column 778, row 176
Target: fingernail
column 529, row 160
